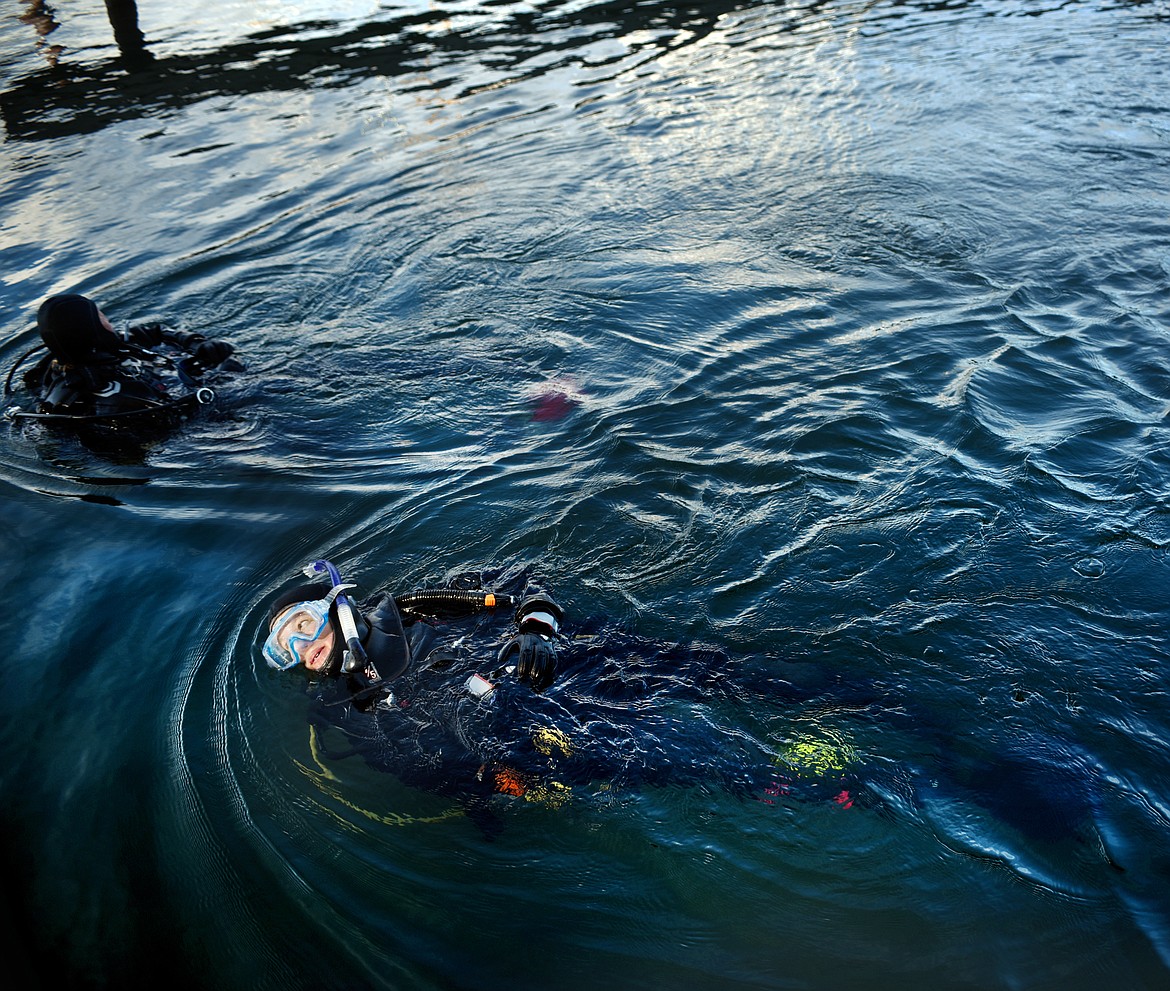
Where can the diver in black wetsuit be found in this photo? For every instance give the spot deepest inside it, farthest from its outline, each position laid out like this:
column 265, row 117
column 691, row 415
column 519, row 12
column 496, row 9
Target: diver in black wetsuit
column 92, row 375
column 419, row 691
column 420, row 687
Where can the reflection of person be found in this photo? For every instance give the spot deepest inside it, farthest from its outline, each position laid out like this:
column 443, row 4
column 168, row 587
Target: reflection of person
column 41, row 16
column 44, row 21
column 131, row 41
column 417, row 693
column 92, row 373
column 123, row 15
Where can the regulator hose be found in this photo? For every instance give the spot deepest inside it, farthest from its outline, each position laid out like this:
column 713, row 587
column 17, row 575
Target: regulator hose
column 20, row 361
column 453, row 599
column 193, row 398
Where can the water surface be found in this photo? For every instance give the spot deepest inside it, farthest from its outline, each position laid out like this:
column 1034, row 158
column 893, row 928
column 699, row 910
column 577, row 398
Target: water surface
column 831, row 334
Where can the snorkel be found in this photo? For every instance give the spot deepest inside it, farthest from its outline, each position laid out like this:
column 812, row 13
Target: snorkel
column 355, row 654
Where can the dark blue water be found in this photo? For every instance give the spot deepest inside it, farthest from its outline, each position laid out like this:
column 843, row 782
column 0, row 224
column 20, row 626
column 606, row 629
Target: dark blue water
column 830, row 337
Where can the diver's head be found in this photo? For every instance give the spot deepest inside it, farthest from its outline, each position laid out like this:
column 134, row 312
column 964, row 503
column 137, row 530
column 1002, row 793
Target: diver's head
column 76, row 332
column 302, row 629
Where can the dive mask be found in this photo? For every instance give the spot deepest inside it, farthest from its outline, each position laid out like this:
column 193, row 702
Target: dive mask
column 296, row 628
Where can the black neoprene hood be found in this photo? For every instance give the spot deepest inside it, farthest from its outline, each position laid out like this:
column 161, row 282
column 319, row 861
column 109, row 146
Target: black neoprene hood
column 71, row 326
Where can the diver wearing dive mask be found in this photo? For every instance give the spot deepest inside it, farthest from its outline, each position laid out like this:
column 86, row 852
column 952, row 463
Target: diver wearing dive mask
column 301, row 634
column 316, row 626
column 453, row 712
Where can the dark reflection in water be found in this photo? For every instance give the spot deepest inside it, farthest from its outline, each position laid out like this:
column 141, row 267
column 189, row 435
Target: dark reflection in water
column 128, row 36
column 77, row 99
column 39, row 15
column 69, row 98
column 123, row 15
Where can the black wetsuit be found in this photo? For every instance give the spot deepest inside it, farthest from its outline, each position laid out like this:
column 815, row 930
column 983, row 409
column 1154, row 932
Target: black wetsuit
column 623, row 713
column 626, row 713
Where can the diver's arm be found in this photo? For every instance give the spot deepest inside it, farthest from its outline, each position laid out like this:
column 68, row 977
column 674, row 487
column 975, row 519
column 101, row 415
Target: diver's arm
column 207, row 352
column 533, row 647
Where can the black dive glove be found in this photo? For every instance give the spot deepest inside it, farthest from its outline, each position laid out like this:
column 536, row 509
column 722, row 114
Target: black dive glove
column 213, row 352
column 145, row 335
column 532, row 648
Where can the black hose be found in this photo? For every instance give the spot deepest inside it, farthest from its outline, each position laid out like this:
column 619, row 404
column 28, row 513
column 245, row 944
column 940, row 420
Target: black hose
column 98, row 417
column 452, row 599
column 20, row 361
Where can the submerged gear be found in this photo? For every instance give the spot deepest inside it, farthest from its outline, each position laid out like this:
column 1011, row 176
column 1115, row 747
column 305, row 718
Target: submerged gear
column 549, row 739
column 479, row 686
column 637, row 715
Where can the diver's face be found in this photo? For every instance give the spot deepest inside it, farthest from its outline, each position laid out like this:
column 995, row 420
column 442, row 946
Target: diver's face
column 306, row 633
column 315, row 654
